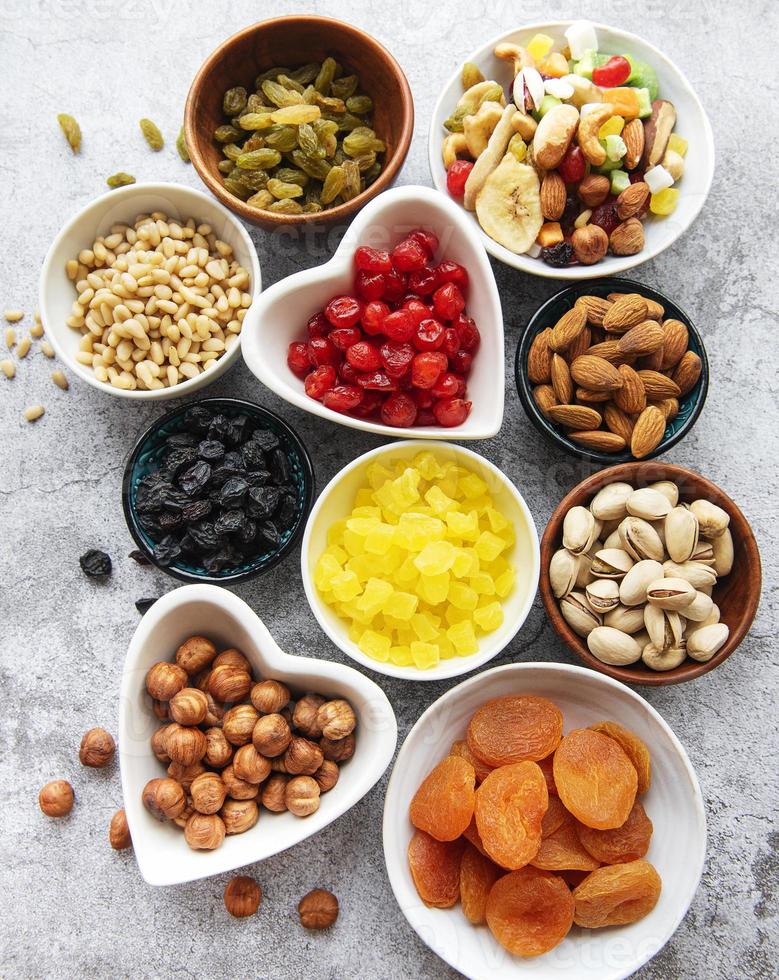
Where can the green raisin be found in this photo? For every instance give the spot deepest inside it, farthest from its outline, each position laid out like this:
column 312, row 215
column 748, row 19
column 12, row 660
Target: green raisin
column 471, row 75
column 455, row 122
column 352, row 186
column 282, row 138
column 308, row 142
column 225, row 167
column 324, row 126
column 260, row 200
column 280, row 96
column 255, row 142
column 344, row 87
column 313, row 167
column 372, row 173
column 152, row 134
column 234, row 101
column 347, row 122
column 327, row 104
column 270, row 74
column 120, row 179
column 280, row 189
column 227, row 134
column 326, row 75
column 365, row 160
column 286, row 206
column 312, row 207
column 237, row 188
column 255, row 180
column 255, row 120
column 256, row 103
column 232, row 151
column 358, row 143
column 360, row 105
column 291, row 176
column 306, row 73
column 181, row 146
column 333, row 185
column 71, row 129
column 262, row 159
column 288, row 82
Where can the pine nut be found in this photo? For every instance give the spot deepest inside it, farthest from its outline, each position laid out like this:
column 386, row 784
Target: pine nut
column 33, row 412
column 13, row 316
column 10, row 337
column 60, row 380
column 23, row 348
column 8, row 368
column 47, row 349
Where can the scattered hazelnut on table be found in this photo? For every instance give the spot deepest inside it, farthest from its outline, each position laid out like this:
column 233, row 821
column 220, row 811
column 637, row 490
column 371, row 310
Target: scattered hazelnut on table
column 164, row 680
column 195, row 654
column 318, row 909
column 302, row 796
column 274, row 793
column 185, row 745
column 56, row 798
column 204, row 831
column 164, row 798
column 302, row 757
column 97, row 748
column 239, row 816
column 305, row 715
column 269, row 697
column 271, row 735
column 189, row 706
column 336, row 719
column 118, row 832
column 208, row 792
column 242, row 896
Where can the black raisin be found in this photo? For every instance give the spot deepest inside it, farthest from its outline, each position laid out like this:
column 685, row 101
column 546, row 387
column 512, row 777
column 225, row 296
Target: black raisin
column 95, row 564
column 198, row 420
column 285, row 512
column 262, row 501
column 167, row 550
column 221, row 474
column 268, row 535
column 211, row 450
column 181, row 440
column 236, row 432
column 230, row 522
column 279, row 466
column 139, row 557
column 257, row 478
column 232, row 492
column 195, row 510
column 151, row 525
column 226, row 557
column 252, row 455
column 233, row 459
column 170, row 520
column 268, row 440
column 144, row 605
column 558, row 255
column 220, row 426
column 150, row 495
column 570, row 213
column 176, row 500
column 193, row 480
column 177, row 461
column 204, row 537
column 247, row 534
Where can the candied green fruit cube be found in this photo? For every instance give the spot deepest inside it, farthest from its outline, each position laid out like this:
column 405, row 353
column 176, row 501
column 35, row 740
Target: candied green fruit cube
column 375, row 645
column 424, row 655
column 489, row 617
column 489, row 546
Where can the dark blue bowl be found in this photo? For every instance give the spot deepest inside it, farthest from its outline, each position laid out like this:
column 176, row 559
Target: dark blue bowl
column 144, row 459
column 690, row 405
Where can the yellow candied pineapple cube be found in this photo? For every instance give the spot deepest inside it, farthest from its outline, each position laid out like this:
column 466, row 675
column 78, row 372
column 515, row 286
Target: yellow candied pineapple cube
column 504, row 583
column 375, row 645
column 401, row 493
column 489, row 617
column 361, row 526
column 463, row 638
column 403, row 638
column 439, row 502
column 401, row 655
column 346, row 586
column 363, row 566
column 472, row 486
column 351, row 610
column 462, row 596
column 448, row 485
column 488, row 546
column 377, row 475
column 355, row 631
column 408, row 573
column 678, row 144
column 539, row 46
column 354, row 544
column 424, row 626
column 335, row 533
column 378, row 540
column 415, row 530
column 454, row 615
column 364, row 498
column 436, row 558
column 369, row 510
column 389, row 564
column 401, row 605
column 466, row 563
column 337, row 552
column 445, row 647
column 428, row 465
column 481, row 505
column 424, row 655
column 326, row 569
column 465, row 526
column 433, row 588
column 482, row 583
column 376, row 593
column 497, row 521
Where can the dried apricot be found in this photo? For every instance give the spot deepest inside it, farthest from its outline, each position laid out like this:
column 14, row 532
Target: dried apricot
column 510, row 805
column 443, row 804
column 471, row 833
column 530, row 911
column 477, row 876
column 461, row 748
column 435, row 868
column 573, row 878
column 563, row 851
column 633, row 747
column 554, row 817
column 595, row 779
column 515, row 729
column 547, row 768
column 622, row 844
column 616, row 895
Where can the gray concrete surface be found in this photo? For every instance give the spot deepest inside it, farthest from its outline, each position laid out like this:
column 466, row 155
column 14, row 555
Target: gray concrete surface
column 69, row 906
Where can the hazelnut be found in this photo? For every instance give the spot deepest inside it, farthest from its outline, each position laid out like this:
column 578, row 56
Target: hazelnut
column 271, row 735
column 208, row 792
column 302, row 757
column 318, row 909
column 185, row 745
column 269, row 697
column 164, row 798
column 239, row 789
column 158, row 743
column 593, row 189
column 242, row 896
column 216, row 712
column 218, row 749
column 250, row 766
column 274, row 793
column 239, row 816
column 304, row 717
column 200, row 681
column 238, row 723
column 229, row 683
column 327, row 775
column 590, row 244
column 181, row 820
column 302, row 796
column 336, row 719
column 56, row 798
column 97, row 748
column 189, row 706
column 185, row 774
column 195, row 654
column 164, row 680
column 277, row 764
column 204, row 831
column 337, row 750
column 161, row 709
column 118, row 832
column 232, row 658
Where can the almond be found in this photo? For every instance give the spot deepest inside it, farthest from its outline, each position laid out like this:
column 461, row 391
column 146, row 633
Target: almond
column 561, row 380
column 595, row 373
column 658, row 386
column 633, row 135
column 545, row 398
column 632, row 200
column 539, row 358
column 607, row 349
column 631, row 397
column 654, row 311
column 647, row 432
column 618, row 422
column 580, row 345
column 605, row 442
column 592, row 397
column 553, row 196
column 687, row 372
column 627, row 311
column 651, row 362
column 676, row 337
column 669, row 407
column 567, row 329
column 575, row 416
column 595, row 308
column 627, row 238
column 644, row 338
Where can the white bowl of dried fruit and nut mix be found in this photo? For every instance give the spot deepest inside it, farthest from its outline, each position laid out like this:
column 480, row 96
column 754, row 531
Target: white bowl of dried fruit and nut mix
column 580, row 150
column 143, row 293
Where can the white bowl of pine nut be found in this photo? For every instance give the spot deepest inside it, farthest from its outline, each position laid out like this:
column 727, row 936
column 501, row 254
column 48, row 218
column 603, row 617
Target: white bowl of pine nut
column 143, row 293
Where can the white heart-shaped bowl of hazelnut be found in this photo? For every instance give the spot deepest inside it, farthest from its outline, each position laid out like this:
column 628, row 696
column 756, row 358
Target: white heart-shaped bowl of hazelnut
column 237, row 821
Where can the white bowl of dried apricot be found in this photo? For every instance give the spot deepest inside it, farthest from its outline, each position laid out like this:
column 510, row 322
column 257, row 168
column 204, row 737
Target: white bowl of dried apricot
column 541, row 820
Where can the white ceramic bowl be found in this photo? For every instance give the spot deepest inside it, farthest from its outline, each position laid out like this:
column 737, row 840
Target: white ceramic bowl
column 279, row 316
column 692, row 124
column 163, row 855
column 673, row 803
column 335, row 502
column 124, row 205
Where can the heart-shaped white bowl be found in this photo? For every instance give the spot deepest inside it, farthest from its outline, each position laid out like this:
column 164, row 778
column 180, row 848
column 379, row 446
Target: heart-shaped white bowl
column 163, row 855
column 336, row 501
column 278, row 317
column 673, row 803
column 692, row 123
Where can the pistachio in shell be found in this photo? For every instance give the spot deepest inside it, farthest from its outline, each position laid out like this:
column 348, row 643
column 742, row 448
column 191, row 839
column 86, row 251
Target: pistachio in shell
column 640, row 539
column 670, row 593
column 681, row 534
column 613, row 647
column 713, row 520
column 577, row 612
column 648, row 503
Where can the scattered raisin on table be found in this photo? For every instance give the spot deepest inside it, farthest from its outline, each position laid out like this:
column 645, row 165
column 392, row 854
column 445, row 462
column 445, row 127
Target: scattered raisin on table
column 95, row 564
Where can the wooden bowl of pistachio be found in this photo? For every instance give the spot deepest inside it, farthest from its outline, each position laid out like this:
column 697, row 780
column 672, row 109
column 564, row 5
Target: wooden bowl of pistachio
column 650, row 573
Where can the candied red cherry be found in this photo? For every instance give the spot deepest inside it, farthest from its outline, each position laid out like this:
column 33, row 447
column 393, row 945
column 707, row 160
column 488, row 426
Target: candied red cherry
column 572, row 166
column 422, row 281
column 372, row 259
column 417, row 309
column 342, row 398
column 318, row 325
column 321, row 351
column 426, row 368
column 468, row 332
column 343, row 311
column 319, row 381
column 449, row 385
column 297, row 359
column 615, row 72
column 460, row 362
column 409, row 254
column 399, row 325
column 451, row 343
column 423, row 397
column 344, row 337
column 399, row 410
column 425, row 417
column 448, row 271
column 394, row 286
column 377, row 381
column 451, row 411
column 347, row 374
column 429, row 335
column 369, row 285
column 363, row 356
column 373, row 317
column 427, row 239
column 448, row 301
column 605, row 216
column 456, row 176
column 396, row 358
column 370, row 404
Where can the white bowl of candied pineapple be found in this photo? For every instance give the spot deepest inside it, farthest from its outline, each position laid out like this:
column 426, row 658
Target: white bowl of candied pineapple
column 542, row 820
column 420, row 560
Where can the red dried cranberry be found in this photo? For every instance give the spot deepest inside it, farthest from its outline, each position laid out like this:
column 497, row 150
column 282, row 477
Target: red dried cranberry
column 394, row 286
column 615, row 72
column 461, row 362
column 399, row 410
column 451, row 411
column 344, row 337
column 377, row 381
column 456, row 176
column 347, row 373
column 321, row 351
column 369, row 285
column 297, row 359
column 370, row 404
column 343, row 311
column 363, row 356
column 372, row 259
column 467, row 332
column 423, row 281
column 451, row 342
column 399, row 325
column 320, row 381
column 605, row 215
column 448, row 386
column 637, row 177
column 425, row 417
column 429, row 335
column 408, row 255
column 427, row 239
column 342, row 398
column 426, row 368
column 373, row 317
column 396, row 358
column 572, row 166
column 448, row 271
column 448, row 301
column 318, row 325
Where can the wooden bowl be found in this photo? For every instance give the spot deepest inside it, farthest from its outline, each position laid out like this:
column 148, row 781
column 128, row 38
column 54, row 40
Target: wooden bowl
column 294, row 41
column 736, row 594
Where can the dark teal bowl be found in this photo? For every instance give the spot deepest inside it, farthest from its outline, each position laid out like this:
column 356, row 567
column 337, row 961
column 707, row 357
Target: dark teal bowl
column 144, row 459
column 690, row 406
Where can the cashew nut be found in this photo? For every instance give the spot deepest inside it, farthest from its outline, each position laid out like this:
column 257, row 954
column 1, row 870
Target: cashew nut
column 479, row 127
column 454, row 147
column 525, row 125
column 584, row 90
column 513, row 52
column 490, row 157
column 587, row 135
